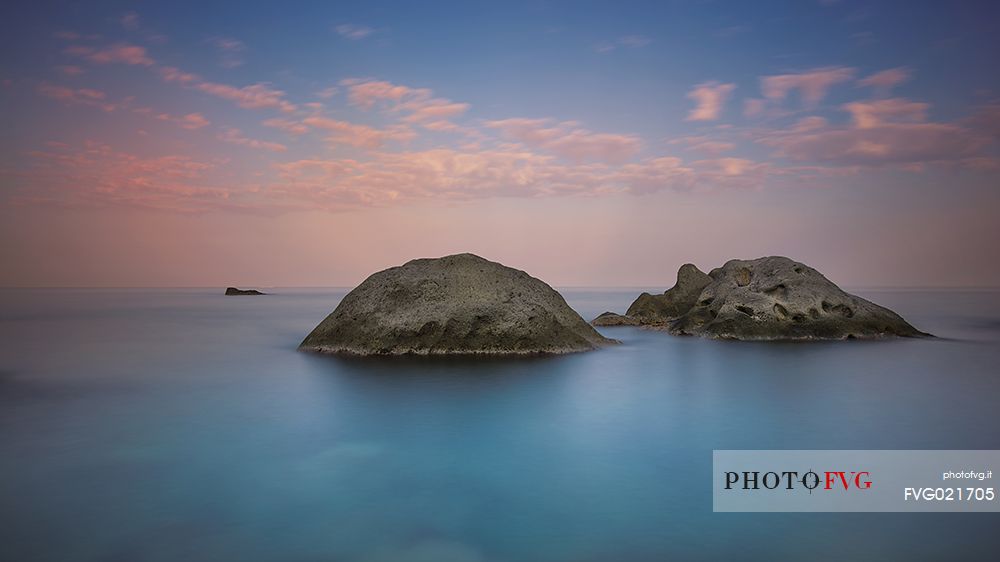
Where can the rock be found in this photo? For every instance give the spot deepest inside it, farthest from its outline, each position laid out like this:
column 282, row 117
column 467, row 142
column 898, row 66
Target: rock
column 612, row 319
column 233, row 291
column 659, row 309
column 461, row 304
column 775, row 298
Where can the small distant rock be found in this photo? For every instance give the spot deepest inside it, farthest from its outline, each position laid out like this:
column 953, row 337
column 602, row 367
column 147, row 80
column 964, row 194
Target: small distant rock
column 233, row 291
column 461, row 304
column 612, row 319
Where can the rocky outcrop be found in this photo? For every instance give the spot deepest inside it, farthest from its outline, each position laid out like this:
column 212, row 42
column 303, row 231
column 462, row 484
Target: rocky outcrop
column 772, row 298
column 613, row 319
column 461, row 304
column 233, row 291
column 659, row 309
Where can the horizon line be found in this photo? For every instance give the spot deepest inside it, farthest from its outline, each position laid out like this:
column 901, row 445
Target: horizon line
column 349, row 287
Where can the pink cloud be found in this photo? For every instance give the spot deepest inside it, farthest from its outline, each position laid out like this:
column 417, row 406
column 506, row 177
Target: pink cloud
column 98, row 175
column 753, row 107
column 709, row 98
column 869, row 115
column 171, row 74
column 432, row 110
column 327, row 93
column 884, row 81
column 811, row 85
column 581, row 145
column 121, row 53
column 730, row 167
column 189, row 121
column 70, row 70
column 887, row 132
column 450, row 174
column 705, row 144
column 366, row 93
column 568, row 141
column 78, row 96
column 287, row 125
column 235, row 136
column 255, row 96
column 419, row 104
column 354, row 134
column 811, row 123
column 986, row 120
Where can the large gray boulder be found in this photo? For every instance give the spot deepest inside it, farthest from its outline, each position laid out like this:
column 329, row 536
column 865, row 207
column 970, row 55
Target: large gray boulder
column 772, row 298
column 461, row 304
column 775, row 298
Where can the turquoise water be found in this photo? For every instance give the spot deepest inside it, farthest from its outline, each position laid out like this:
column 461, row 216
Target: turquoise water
column 183, row 425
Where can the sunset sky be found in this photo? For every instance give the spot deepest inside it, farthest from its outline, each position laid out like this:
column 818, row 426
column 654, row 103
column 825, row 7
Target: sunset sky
column 591, row 144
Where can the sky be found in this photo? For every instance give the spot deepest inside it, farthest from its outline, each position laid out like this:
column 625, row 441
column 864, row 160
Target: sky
column 158, row 144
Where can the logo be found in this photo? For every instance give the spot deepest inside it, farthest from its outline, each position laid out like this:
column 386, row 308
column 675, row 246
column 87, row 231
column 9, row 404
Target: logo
column 832, row 480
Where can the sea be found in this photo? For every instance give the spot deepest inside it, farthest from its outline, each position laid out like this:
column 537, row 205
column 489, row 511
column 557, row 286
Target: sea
column 181, row 424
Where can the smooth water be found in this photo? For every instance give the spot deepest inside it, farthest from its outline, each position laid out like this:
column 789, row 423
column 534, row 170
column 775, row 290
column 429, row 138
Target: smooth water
column 183, row 425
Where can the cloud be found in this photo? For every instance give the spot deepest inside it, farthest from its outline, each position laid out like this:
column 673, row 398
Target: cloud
column 190, row 121
column 882, row 133
column 171, row 74
column 812, row 85
column 74, row 36
column 361, row 136
column 130, row 21
column 419, row 104
column 630, row 41
column 366, row 93
column 883, row 82
column 436, row 109
column 76, row 96
column 604, row 46
column 235, row 136
column 869, row 115
column 95, row 174
column 230, row 51
column 753, row 107
column 986, row 120
column 353, row 32
column 709, row 98
column 389, row 178
column 287, row 125
column 634, row 41
column 70, row 70
column 255, row 96
column 327, row 93
column 569, row 141
column 704, row 144
column 121, row 53
column 811, row 123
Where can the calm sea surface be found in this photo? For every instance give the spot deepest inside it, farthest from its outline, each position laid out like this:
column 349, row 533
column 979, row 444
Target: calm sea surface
column 174, row 425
